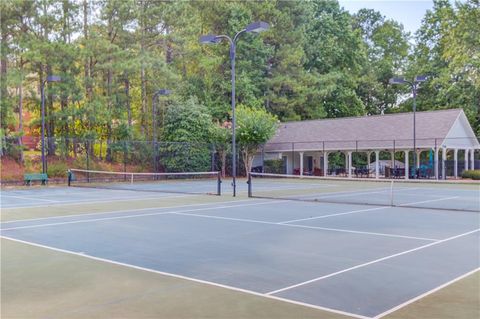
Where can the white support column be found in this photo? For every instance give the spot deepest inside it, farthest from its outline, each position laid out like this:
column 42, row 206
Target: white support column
column 472, row 159
column 392, row 155
column 466, row 159
column 349, row 164
column 377, row 164
column 368, row 160
column 346, row 162
column 444, row 158
column 418, row 158
column 406, row 164
column 436, row 163
column 455, row 163
column 301, row 163
column 325, row 164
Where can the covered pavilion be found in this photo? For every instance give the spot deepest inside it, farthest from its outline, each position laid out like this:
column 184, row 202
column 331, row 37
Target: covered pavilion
column 305, row 146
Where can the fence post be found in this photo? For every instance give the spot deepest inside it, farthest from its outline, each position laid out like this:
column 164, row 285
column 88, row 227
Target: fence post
column 219, row 183
column 212, row 159
column 125, row 159
column 263, row 158
column 87, row 149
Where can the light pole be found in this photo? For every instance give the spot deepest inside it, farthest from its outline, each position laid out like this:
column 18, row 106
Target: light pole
column 50, row 78
column 154, row 126
column 255, row 27
column 418, row 79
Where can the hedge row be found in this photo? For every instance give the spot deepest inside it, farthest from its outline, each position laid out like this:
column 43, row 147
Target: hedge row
column 473, row 174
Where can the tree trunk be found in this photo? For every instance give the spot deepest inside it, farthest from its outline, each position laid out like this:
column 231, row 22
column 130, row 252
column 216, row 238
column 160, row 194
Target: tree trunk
column 247, row 157
column 127, row 97
column 20, row 113
column 223, row 156
column 87, row 62
column 143, row 79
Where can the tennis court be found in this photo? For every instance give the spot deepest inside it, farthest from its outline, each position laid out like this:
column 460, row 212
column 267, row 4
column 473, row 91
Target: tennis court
column 350, row 259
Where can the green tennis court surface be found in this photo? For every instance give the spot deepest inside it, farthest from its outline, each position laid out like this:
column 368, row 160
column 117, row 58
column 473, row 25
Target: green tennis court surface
column 89, row 252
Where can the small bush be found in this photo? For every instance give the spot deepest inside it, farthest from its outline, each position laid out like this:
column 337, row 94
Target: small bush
column 473, row 174
column 275, row 166
column 57, row 170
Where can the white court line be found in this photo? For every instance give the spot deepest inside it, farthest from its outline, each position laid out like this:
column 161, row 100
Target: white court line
column 371, row 262
column 332, row 215
column 80, row 214
column 425, row 195
column 305, row 227
column 366, row 210
column 429, row 201
column 31, row 198
column 186, row 213
column 210, row 283
column 108, row 199
column 347, row 193
column 383, row 314
column 133, row 216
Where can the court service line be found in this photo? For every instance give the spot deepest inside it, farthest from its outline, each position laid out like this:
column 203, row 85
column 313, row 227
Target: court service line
column 31, row 198
column 429, row 201
column 383, row 314
column 366, row 210
column 133, row 216
column 346, row 193
column 210, row 283
column 106, row 200
column 306, row 227
column 371, row 262
column 81, row 214
column 332, row 215
column 186, row 213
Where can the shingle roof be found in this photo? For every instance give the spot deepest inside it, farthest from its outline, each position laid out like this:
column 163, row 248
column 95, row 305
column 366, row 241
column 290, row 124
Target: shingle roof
column 368, row 132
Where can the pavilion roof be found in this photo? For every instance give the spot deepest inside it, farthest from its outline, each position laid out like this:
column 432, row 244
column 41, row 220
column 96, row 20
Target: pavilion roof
column 389, row 131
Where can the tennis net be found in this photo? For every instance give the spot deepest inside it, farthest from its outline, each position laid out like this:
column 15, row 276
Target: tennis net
column 415, row 194
column 186, row 183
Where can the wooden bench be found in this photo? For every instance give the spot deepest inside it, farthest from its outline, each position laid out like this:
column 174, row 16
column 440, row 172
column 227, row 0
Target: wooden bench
column 29, row 178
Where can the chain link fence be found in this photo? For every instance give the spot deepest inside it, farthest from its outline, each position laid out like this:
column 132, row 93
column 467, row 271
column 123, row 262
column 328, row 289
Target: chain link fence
column 280, row 158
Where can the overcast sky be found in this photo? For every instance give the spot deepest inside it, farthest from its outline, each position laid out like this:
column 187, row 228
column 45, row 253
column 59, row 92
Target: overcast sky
column 407, row 12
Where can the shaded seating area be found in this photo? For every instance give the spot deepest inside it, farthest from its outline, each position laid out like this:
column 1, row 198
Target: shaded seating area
column 362, row 172
column 378, row 146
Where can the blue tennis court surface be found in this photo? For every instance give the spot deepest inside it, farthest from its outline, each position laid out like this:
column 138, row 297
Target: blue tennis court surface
column 72, row 195
column 354, row 259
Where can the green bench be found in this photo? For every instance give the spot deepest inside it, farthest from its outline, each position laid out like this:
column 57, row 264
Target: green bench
column 29, row 178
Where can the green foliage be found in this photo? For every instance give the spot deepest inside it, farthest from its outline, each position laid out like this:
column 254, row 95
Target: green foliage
column 276, row 166
column 387, row 52
column 188, row 130
column 57, row 169
column 254, row 128
column 473, row 174
column 316, row 61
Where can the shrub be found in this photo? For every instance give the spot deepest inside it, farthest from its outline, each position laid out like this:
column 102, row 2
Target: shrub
column 57, row 169
column 276, row 166
column 473, row 174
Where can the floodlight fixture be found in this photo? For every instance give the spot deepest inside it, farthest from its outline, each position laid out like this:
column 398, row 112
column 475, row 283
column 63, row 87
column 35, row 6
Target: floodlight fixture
column 54, row 78
column 397, row 81
column 209, row 39
column 257, row 27
column 420, row 78
column 164, row 92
